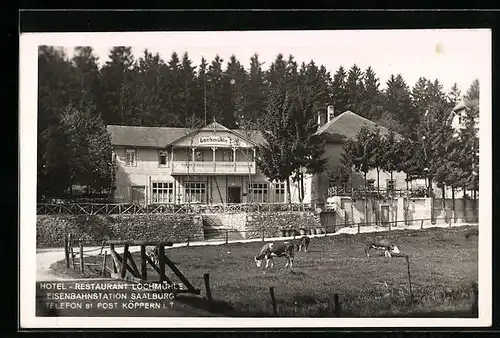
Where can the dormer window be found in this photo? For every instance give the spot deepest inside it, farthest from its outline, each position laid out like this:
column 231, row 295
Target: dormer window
column 163, row 158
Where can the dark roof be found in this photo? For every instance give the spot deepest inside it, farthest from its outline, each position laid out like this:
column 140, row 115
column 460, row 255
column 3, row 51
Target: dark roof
column 157, row 137
column 160, row 137
column 346, row 126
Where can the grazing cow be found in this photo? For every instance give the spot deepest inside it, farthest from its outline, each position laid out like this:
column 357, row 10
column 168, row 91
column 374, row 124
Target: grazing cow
column 270, row 250
column 303, row 243
column 382, row 244
column 152, row 253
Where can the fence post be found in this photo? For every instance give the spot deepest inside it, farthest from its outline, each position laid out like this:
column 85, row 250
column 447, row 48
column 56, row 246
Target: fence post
column 359, row 227
column 422, row 223
column 104, row 263
column 81, row 257
column 337, row 304
column 187, row 244
column 273, row 301
column 66, row 251
column 262, row 235
column 409, row 276
column 474, row 307
column 206, row 277
column 227, row 237
column 345, row 218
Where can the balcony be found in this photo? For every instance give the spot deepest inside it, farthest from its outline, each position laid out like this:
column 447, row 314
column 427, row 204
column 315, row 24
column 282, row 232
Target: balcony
column 213, row 168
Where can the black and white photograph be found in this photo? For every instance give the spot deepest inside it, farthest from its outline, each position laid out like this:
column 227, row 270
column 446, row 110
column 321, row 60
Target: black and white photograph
column 306, row 178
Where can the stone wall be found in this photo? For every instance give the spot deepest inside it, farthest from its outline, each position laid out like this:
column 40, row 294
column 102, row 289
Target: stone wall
column 272, row 222
column 93, row 229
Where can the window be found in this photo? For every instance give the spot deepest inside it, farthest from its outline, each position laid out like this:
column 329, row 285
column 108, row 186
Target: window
column 258, row 192
column 198, row 156
column 279, row 192
column 130, row 159
column 227, row 156
column 162, row 192
column 196, row 192
column 332, row 183
column 370, row 184
column 163, row 158
column 391, row 184
column 345, row 185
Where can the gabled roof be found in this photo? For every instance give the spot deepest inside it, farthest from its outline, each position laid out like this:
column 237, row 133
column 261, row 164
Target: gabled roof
column 156, row 137
column 346, row 126
column 160, row 137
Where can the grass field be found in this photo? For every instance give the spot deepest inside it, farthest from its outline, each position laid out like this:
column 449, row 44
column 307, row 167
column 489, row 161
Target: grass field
column 443, row 270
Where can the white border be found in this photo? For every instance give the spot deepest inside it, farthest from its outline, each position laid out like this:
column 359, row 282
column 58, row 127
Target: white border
column 28, row 128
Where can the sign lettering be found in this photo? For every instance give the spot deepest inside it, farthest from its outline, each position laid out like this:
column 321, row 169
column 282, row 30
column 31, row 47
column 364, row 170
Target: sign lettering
column 218, row 140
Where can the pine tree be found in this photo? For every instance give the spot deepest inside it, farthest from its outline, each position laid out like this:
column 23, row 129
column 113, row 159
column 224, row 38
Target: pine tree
column 87, row 74
column 397, row 102
column 186, row 94
column 256, row 91
column 354, row 91
column 215, row 96
column 338, row 90
column 235, row 84
column 371, row 98
column 117, row 87
column 454, row 95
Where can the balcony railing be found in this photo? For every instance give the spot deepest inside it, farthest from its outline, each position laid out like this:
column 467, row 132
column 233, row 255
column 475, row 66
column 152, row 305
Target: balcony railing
column 380, row 193
column 205, row 167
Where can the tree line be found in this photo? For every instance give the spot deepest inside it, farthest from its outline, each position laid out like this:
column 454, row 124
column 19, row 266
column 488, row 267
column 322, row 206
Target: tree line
column 78, row 98
column 438, row 152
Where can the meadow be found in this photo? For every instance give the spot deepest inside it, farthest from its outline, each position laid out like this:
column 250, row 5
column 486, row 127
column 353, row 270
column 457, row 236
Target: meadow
column 443, row 265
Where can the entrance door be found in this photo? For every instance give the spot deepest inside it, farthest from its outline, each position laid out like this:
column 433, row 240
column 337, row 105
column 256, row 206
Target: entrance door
column 138, row 195
column 233, row 194
column 385, row 215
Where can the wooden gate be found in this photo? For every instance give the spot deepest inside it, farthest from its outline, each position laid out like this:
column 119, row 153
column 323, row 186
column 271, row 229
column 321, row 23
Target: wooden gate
column 126, row 269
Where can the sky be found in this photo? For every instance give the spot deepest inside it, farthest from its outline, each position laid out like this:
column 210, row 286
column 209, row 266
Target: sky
column 447, row 55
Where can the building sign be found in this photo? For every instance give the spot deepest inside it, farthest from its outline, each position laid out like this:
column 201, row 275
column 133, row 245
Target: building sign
column 218, row 140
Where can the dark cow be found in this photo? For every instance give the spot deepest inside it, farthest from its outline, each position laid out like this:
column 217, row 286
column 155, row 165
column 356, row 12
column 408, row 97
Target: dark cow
column 381, row 244
column 271, row 250
column 303, row 243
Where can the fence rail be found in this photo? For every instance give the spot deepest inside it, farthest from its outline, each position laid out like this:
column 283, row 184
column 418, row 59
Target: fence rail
column 378, row 193
column 132, row 208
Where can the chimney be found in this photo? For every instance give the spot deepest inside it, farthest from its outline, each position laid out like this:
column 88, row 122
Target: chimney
column 330, row 113
column 321, row 118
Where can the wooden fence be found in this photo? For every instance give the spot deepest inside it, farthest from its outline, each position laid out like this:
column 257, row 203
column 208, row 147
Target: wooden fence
column 126, row 208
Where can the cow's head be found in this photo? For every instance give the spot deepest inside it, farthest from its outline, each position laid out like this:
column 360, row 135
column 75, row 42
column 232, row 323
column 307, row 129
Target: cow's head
column 258, row 262
column 395, row 249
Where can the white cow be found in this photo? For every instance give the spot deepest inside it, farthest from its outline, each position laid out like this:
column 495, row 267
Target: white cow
column 270, row 250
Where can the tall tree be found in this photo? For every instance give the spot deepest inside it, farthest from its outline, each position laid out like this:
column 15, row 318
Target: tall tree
column 398, row 103
column 87, row 75
column 117, row 80
column 454, row 95
column 235, row 84
column 354, row 90
column 187, row 83
column 371, row 98
column 256, row 91
column 276, row 157
column 338, row 91
column 215, row 93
